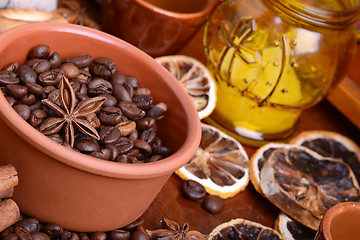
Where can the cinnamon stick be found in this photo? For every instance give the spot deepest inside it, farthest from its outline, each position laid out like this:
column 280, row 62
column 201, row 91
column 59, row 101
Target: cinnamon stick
column 8, row 179
column 9, row 213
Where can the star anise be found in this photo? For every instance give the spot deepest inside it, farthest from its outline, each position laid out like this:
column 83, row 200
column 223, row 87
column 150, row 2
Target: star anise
column 70, row 114
column 173, row 231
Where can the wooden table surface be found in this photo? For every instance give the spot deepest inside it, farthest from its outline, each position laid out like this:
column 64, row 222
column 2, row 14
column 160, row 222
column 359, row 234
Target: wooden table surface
column 247, row 204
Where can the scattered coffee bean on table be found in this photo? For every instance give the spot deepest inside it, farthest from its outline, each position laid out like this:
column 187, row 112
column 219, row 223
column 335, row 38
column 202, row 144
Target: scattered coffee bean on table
column 86, row 104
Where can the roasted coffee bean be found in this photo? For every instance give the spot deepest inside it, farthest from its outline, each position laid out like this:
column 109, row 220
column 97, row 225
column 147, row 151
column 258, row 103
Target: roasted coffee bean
column 29, row 224
column 114, row 152
column 119, row 234
column 7, row 78
column 16, row 91
column 34, row 88
column 129, row 89
column 153, row 158
column 37, row 117
column 145, row 123
column 56, row 138
column 27, row 74
column 132, row 81
column 110, row 115
column 133, row 135
column 213, row 204
column 126, row 159
column 28, row 99
column 40, row 51
column 103, row 67
column 39, row 236
column 98, row 236
column 99, row 86
column 110, row 100
column 132, row 226
column 131, row 111
column 55, row 60
column 126, row 127
column 51, row 77
column 148, row 135
column 117, row 78
column 124, row 145
column 83, row 236
column 70, row 70
column 162, row 151
column 80, row 61
column 22, row 233
column 139, row 234
column 10, row 236
column 84, row 77
column 75, row 86
column 23, row 110
column 142, row 146
column 53, row 230
column 82, row 93
column 36, row 105
column 67, row 235
column 193, row 190
column 143, row 102
column 54, row 96
column 102, row 154
column 10, row 100
column 133, row 152
column 157, row 111
column 142, row 91
column 109, row 135
column 47, row 90
column 93, row 120
column 86, row 146
column 40, row 65
column 11, row 67
column 121, row 94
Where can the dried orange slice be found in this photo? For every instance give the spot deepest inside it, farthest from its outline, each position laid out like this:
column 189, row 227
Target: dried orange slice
column 243, row 229
column 304, row 184
column 195, row 78
column 332, row 144
column 220, row 164
column 291, row 229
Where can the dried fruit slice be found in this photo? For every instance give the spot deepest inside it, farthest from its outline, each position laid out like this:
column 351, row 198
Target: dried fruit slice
column 220, row 164
column 332, row 144
column 304, row 184
column 243, row 229
column 291, row 229
column 195, row 78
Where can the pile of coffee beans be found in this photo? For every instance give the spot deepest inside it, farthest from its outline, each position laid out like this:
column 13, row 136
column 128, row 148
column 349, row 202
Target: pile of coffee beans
column 194, row 191
column 126, row 122
column 32, row 229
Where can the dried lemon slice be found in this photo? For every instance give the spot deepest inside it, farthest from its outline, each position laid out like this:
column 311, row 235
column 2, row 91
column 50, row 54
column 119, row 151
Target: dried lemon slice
column 220, row 164
column 304, row 184
column 332, row 144
column 291, row 229
column 243, row 229
column 195, row 78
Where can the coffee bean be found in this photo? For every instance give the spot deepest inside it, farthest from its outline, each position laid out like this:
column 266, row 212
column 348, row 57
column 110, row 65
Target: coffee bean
column 23, row 110
column 103, row 67
column 121, row 94
column 110, row 115
column 37, row 117
column 40, row 65
column 98, row 236
column 51, row 77
column 82, row 93
column 75, row 86
column 53, row 230
column 7, row 78
column 54, row 60
column 11, row 67
column 93, row 120
column 143, row 146
column 213, row 204
column 124, row 145
column 10, row 236
column 83, row 236
column 131, row 111
column 47, row 90
column 145, row 123
column 132, row 81
column 27, row 74
column 157, row 111
column 34, row 88
column 102, row 154
column 110, row 100
column 126, row 127
column 10, row 100
column 109, row 135
column 114, row 152
column 86, row 146
column 139, row 234
column 80, row 61
column 143, row 102
column 148, row 135
column 56, row 138
column 99, row 86
column 132, row 226
column 117, row 78
column 16, row 91
column 153, row 158
column 193, row 190
column 162, row 151
column 70, row 70
column 41, row 51
column 119, row 234
column 29, row 224
column 84, row 77
column 142, row 91
column 129, row 89
column 28, row 99
column 39, row 236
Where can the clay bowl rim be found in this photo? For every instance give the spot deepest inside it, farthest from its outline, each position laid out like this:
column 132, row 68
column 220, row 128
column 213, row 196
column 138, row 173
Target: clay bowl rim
column 91, row 164
column 179, row 15
column 333, row 212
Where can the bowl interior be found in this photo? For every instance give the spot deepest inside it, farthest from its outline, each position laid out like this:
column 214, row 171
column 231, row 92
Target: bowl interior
column 179, row 129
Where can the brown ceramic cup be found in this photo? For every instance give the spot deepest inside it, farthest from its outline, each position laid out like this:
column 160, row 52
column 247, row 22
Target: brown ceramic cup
column 340, row 222
column 158, row 27
column 79, row 192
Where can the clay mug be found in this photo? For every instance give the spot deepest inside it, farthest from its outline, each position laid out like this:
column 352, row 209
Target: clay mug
column 340, row 222
column 158, row 27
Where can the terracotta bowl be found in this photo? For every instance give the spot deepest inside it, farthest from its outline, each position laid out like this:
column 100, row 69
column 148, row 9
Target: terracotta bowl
column 158, row 27
column 79, row 192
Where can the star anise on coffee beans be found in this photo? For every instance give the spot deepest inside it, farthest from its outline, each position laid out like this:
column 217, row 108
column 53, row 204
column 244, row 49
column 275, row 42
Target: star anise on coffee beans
column 173, row 231
column 71, row 113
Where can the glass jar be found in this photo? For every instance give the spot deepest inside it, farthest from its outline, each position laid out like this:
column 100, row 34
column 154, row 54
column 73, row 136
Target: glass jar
column 274, row 58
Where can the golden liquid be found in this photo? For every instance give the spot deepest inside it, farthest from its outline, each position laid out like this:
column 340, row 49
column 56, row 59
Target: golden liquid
column 265, row 80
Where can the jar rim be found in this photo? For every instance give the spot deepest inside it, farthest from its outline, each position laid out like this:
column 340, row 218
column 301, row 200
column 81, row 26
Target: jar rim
column 319, row 16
